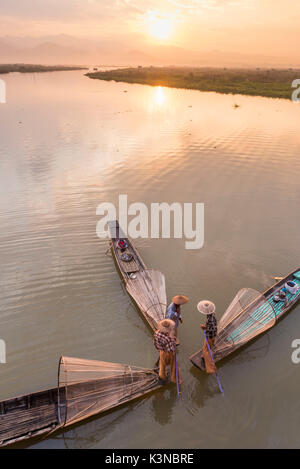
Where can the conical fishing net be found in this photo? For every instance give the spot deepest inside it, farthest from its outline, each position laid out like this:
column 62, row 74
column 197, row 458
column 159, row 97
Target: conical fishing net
column 249, row 314
column 148, row 289
column 94, row 386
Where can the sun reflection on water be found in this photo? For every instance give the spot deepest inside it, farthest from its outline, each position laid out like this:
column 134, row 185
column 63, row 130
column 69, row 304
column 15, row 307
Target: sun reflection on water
column 159, row 96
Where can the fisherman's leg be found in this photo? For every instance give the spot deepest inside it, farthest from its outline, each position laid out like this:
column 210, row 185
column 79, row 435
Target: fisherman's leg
column 157, row 362
column 209, row 365
column 176, row 336
column 211, row 342
column 173, row 369
column 205, row 348
column 162, row 365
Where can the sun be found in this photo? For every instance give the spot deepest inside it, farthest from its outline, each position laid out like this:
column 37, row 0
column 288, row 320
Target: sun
column 160, row 27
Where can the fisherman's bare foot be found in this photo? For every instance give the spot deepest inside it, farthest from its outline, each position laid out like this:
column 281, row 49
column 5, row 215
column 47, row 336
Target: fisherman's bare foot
column 162, row 381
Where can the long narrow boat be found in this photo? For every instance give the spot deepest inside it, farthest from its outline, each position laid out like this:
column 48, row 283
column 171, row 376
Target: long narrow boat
column 250, row 314
column 146, row 287
column 85, row 388
column 29, row 416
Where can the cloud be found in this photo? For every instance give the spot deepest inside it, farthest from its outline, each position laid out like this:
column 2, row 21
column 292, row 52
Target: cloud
column 30, row 9
column 143, row 5
column 197, row 4
column 63, row 9
column 197, row 25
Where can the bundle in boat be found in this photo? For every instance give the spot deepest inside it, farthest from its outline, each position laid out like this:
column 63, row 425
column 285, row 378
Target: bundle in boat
column 85, row 388
column 147, row 287
column 250, row 314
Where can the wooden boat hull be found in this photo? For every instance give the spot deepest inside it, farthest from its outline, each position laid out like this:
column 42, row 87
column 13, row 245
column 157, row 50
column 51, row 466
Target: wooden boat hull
column 280, row 309
column 44, row 412
column 29, row 416
column 139, row 281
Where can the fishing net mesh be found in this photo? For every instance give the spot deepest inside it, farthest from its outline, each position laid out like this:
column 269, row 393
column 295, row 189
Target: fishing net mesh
column 249, row 314
column 149, row 291
column 95, row 386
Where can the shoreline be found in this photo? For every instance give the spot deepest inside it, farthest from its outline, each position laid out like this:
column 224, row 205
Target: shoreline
column 34, row 68
column 270, row 83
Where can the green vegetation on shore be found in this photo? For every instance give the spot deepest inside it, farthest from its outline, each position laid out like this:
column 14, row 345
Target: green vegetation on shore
column 28, row 68
column 271, row 83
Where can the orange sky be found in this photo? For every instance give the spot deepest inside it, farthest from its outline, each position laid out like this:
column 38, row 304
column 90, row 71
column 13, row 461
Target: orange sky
column 249, row 27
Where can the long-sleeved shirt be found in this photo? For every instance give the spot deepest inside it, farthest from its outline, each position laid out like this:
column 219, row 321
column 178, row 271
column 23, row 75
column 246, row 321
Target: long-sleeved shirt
column 211, row 326
column 173, row 314
column 164, row 342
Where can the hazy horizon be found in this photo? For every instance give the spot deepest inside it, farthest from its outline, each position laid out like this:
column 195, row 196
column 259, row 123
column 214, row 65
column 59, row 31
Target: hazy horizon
column 151, row 32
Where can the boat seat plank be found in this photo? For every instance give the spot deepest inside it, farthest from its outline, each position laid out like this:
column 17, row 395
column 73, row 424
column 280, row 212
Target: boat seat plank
column 127, row 267
column 24, row 421
column 147, row 288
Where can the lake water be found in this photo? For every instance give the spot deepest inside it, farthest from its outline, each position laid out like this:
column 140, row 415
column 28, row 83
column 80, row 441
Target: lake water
column 69, row 143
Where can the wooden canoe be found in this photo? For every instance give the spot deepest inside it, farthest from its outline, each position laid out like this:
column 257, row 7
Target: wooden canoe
column 29, row 416
column 145, row 286
column 242, row 323
column 85, row 389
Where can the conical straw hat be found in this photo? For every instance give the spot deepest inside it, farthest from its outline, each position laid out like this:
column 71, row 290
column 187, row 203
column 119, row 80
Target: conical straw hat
column 167, row 326
column 180, row 299
column 206, row 307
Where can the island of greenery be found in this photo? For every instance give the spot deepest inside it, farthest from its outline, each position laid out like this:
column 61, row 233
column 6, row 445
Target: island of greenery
column 273, row 83
column 28, row 68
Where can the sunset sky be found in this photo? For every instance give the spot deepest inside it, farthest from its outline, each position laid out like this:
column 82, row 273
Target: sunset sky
column 268, row 28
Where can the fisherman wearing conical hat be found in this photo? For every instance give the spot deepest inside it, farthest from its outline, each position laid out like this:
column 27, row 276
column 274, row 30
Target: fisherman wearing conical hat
column 165, row 343
column 174, row 310
column 208, row 308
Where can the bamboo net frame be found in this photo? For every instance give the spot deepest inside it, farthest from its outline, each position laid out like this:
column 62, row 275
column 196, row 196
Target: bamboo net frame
column 149, row 292
column 94, row 386
column 249, row 314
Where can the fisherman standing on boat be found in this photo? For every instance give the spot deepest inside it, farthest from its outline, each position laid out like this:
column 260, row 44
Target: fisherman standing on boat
column 165, row 343
column 174, row 310
column 208, row 308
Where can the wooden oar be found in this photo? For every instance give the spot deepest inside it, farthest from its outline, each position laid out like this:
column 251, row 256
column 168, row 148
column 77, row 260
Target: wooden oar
column 219, row 382
column 278, row 278
column 108, row 249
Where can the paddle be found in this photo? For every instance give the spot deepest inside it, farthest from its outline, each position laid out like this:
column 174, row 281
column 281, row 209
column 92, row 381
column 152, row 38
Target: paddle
column 108, row 249
column 278, row 278
column 219, row 382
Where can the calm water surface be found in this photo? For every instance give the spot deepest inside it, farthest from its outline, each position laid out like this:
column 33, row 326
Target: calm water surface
column 69, row 143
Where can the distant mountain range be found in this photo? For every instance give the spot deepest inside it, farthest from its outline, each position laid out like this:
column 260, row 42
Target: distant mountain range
column 69, row 50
